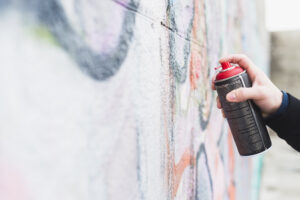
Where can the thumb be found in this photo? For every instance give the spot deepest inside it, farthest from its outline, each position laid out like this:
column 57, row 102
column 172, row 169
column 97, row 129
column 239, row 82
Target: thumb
column 243, row 94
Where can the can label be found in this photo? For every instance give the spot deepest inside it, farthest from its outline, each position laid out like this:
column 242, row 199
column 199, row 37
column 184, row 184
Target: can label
column 244, row 118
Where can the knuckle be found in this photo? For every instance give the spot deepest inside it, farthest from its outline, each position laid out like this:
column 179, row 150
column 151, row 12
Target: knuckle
column 218, row 102
column 261, row 91
column 223, row 113
column 240, row 94
column 244, row 56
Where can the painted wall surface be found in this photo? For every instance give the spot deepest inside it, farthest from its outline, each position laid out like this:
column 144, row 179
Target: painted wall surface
column 112, row 99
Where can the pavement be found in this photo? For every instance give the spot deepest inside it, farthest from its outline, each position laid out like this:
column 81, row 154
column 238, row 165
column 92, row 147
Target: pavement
column 281, row 172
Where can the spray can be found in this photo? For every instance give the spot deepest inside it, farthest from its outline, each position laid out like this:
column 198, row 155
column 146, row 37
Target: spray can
column 244, row 118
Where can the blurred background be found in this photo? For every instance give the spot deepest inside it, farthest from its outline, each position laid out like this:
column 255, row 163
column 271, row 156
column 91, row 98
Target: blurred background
column 112, row 99
column 281, row 171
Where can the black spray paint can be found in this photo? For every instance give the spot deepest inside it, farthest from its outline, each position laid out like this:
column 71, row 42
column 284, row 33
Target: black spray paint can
column 244, row 118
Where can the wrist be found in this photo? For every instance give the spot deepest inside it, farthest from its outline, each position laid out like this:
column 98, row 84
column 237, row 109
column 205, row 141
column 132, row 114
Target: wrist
column 282, row 106
column 277, row 101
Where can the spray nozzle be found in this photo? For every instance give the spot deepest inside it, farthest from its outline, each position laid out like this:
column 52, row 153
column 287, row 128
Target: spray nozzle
column 225, row 65
column 217, row 67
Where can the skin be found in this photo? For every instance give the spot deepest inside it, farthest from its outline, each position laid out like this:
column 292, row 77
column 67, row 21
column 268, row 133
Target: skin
column 263, row 92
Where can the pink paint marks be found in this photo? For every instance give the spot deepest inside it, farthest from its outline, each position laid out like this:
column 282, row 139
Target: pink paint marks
column 231, row 188
column 102, row 29
column 12, row 184
column 186, row 160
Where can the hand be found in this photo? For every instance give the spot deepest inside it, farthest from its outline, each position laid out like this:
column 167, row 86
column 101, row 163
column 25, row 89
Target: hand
column 263, row 92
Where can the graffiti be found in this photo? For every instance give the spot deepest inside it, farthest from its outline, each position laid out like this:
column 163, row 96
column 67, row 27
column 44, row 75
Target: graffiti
column 97, row 65
column 4, row 3
column 204, row 180
column 112, row 99
column 180, row 70
column 100, row 66
column 198, row 65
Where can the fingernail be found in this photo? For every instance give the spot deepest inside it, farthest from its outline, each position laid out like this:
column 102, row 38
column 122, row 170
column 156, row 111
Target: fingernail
column 231, row 96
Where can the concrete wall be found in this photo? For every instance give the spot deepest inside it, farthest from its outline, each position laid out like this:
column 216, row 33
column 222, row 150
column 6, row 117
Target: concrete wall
column 112, row 99
column 285, row 54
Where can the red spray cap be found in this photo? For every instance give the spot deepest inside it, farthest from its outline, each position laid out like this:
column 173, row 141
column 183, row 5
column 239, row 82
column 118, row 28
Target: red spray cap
column 228, row 71
column 225, row 65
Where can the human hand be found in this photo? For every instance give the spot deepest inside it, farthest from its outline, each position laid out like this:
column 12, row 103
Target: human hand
column 263, row 92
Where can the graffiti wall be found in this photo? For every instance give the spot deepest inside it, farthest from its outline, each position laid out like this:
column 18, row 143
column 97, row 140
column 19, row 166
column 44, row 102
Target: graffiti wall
column 112, row 99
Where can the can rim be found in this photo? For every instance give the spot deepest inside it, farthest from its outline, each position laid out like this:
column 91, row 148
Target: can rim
column 217, row 81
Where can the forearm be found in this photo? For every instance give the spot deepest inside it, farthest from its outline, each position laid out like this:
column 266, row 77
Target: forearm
column 287, row 123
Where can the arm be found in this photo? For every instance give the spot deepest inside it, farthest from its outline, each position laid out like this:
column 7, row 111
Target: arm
column 269, row 99
column 286, row 123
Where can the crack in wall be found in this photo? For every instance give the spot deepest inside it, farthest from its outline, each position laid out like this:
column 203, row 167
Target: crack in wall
column 179, row 34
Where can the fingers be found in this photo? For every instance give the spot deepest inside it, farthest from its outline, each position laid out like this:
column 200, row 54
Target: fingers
column 243, row 94
column 220, row 106
column 213, row 82
column 223, row 113
column 243, row 61
column 239, row 59
column 218, row 103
